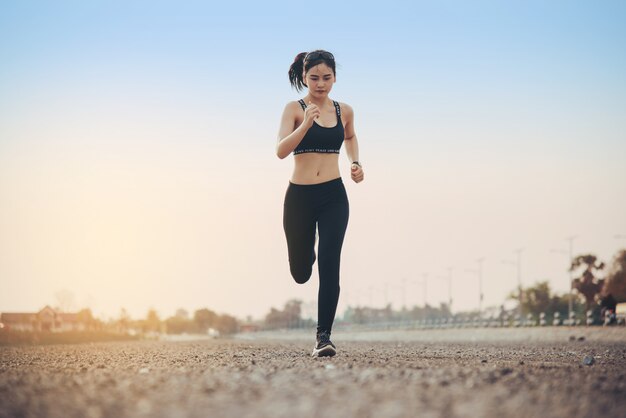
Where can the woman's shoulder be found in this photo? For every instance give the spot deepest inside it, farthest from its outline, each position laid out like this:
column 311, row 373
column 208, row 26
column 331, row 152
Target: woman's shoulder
column 345, row 108
column 293, row 105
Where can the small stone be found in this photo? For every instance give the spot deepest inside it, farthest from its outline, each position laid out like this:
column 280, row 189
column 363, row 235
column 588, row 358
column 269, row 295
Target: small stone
column 572, row 338
column 581, row 338
column 521, row 362
column 329, row 366
column 588, row 360
column 484, row 360
column 144, row 370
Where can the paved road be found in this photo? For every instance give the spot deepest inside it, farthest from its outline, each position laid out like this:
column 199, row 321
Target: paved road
column 388, row 377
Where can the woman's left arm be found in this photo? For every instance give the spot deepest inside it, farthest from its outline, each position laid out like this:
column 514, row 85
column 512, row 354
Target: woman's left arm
column 352, row 146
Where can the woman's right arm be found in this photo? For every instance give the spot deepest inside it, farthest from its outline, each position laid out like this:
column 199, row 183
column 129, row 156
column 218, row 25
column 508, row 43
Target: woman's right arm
column 288, row 137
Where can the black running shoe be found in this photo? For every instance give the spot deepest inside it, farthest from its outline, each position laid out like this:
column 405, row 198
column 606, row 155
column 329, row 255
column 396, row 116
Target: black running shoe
column 324, row 347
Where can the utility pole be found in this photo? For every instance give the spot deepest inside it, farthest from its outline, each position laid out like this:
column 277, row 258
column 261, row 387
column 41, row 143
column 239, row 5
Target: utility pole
column 570, row 255
column 479, row 273
column 480, row 285
column 449, row 279
column 518, row 264
column 424, row 286
column 450, row 289
column 386, row 294
column 404, row 292
column 519, row 274
column 425, row 283
column 571, row 278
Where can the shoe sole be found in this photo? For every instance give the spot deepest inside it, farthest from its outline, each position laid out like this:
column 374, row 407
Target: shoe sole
column 327, row 351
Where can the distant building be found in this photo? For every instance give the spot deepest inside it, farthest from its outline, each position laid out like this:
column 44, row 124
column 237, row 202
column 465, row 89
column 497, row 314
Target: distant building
column 249, row 327
column 47, row 319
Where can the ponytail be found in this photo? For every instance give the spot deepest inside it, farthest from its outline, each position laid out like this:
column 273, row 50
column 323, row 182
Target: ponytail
column 298, row 67
column 296, row 71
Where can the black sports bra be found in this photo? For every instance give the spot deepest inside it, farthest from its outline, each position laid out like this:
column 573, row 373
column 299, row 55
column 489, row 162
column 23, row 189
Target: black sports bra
column 322, row 139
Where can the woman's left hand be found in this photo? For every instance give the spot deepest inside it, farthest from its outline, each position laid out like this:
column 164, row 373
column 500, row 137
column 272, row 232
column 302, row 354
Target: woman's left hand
column 356, row 173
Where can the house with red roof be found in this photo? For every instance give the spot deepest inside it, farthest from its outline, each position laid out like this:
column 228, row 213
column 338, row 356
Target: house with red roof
column 47, row 319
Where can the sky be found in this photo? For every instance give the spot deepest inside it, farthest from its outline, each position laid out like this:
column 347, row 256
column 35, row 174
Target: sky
column 138, row 166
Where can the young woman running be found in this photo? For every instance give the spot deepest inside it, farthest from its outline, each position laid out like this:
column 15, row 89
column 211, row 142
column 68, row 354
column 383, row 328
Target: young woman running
column 313, row 128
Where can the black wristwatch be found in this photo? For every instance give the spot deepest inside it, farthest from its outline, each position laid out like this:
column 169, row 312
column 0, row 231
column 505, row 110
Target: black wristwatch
column 357, row 163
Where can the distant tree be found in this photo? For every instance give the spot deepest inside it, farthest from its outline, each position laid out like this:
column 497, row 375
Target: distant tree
column 286, row 318
column 293, row 311
column 615, row 283
column 152, row 322
column 86, row 317
column 227, row 324
column 444, row 310
column 124, row 321
column 356, row 315
column 417, row 312
column 178, row 325
column 587, row 284
column 539, row 298
column 275, row 319
column 204, row 319
column 535, row 299
column 560, row 304
column 182, row 313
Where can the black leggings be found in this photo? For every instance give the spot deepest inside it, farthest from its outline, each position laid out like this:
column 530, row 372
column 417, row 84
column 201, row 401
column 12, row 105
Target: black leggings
column 324, row 204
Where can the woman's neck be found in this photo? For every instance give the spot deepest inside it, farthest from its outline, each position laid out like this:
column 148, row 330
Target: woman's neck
column 321, row 103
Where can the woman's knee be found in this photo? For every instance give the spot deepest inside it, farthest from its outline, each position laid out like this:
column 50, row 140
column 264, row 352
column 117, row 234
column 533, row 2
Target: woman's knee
column 301, row 274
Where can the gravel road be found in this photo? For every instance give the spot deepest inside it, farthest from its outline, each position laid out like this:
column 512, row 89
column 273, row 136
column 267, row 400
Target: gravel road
column 578, row 376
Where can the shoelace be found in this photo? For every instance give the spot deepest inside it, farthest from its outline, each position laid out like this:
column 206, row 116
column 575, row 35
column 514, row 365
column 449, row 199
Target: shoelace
column 324, row 337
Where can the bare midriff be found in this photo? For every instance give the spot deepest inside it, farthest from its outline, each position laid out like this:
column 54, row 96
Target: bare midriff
column 313, row 168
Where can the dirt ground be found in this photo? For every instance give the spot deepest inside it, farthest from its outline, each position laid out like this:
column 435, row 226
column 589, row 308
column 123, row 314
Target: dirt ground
column 388, row 376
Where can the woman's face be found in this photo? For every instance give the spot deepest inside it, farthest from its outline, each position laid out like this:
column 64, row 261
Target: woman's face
column 320, row 80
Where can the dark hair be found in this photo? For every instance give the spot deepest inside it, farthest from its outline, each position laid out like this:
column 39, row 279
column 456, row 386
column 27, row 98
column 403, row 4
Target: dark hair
column 299, row 66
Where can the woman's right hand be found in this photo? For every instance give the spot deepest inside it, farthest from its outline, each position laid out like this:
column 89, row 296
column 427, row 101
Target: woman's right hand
column 311, row 113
